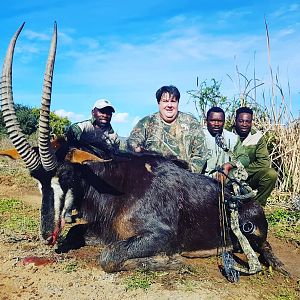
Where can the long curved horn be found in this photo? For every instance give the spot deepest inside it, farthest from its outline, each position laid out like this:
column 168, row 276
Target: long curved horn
column 18, row 139
column 46, row 153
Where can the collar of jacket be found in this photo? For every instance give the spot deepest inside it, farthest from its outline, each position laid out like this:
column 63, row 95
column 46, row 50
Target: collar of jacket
column 253, row 137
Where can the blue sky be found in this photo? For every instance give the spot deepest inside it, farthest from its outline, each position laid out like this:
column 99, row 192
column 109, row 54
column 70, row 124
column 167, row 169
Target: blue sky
column 125, row 50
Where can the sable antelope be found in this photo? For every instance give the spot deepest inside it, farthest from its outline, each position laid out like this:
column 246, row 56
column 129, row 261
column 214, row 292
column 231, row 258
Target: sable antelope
column 138, row 205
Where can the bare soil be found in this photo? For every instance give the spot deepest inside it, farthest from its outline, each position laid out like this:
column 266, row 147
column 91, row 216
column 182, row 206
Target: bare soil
column 31, row 270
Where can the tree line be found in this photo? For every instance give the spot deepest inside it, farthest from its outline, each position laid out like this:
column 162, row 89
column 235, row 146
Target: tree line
column 28, row 118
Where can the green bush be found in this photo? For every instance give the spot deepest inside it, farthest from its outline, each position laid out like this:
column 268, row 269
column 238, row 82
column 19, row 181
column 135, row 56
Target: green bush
column 283, row 216
column 28, row 119
column 285, row 224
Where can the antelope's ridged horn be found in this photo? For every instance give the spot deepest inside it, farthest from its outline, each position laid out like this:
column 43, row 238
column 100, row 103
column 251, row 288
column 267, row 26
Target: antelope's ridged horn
column 46, row 152
column 12, row 125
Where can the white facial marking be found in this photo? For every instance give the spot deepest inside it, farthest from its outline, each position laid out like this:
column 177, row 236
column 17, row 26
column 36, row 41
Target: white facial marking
column 40, row 187
column 58, row 196
column 68, row 202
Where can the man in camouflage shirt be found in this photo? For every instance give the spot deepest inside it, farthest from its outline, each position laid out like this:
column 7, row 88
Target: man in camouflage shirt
column 93, row 134
column 171, row 132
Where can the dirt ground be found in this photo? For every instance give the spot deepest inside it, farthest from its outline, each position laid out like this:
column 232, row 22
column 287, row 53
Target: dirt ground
column 31, row 270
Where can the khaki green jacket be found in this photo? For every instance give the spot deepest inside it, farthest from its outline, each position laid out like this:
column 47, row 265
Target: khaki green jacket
column 255, row 147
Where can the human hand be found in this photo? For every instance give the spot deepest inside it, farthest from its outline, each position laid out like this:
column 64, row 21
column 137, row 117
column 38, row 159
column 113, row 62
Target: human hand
column 223, row 176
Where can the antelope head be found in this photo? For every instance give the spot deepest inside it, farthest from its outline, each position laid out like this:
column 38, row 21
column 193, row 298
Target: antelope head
column 42, row 164
column 56, row 177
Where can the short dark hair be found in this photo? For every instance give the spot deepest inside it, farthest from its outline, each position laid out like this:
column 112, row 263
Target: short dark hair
column 243, row 110
column 215, row 109
column 171, row 89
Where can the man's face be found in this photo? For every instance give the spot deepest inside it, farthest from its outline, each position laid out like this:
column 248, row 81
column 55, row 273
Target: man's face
column 168, row 107
column 102, row 116
column 215, row 123
column 243, row 124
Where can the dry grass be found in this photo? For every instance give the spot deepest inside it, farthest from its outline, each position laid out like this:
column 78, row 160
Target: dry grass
column 274, row 117
column 286, row 157
column 5, row 143
column 283, row 139
column 14, row 174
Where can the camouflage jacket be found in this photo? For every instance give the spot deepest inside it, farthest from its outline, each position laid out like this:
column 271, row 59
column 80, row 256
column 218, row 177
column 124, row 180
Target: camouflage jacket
column 183, row 138
column 85, row 135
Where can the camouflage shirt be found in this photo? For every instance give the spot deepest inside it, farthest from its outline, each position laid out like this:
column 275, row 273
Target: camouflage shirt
column 85, row 135
column 183, row 138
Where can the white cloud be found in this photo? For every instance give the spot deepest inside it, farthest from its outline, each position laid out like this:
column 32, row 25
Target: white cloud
column 179, row 19
column 120, row 117
column 135, row 120
column 174, row 54
column 229, row 15
column 286, row 10
column 133, row 72
column 73, row 117
column 124, row 128
column 65, row 38
column 28, row 49
column 32, row 35
column 286, row 31
column 90, row 43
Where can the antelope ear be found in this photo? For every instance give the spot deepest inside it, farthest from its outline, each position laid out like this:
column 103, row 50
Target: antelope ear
column 79, row 156
column 11, row 153
column 58, row 143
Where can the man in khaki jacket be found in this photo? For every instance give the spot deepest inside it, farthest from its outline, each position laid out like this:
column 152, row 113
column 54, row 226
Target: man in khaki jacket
column 260, row 175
